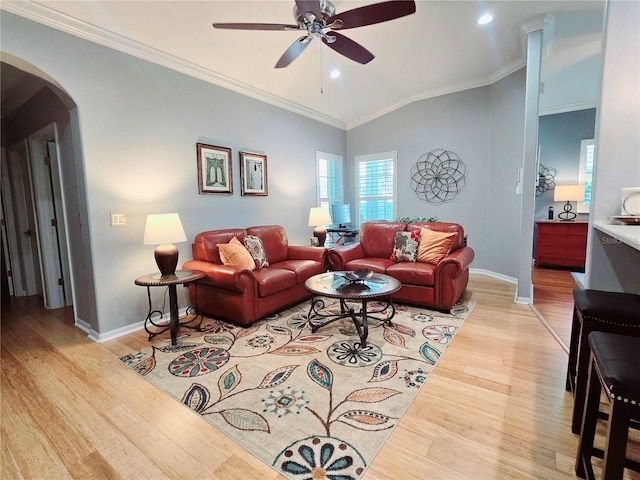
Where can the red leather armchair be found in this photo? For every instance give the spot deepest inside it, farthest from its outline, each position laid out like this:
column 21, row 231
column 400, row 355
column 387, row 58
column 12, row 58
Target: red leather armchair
column 437, row 286
column 241, row 295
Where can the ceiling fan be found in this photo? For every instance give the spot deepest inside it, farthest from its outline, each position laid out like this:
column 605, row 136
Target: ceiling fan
column 315, row 16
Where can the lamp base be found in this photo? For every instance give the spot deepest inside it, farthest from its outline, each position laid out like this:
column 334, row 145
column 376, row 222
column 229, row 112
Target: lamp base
column 567, row 215
column 321, row 234
column 166, row 259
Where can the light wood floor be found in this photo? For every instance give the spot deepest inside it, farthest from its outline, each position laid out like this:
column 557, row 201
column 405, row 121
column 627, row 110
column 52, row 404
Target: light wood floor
column 494, row 408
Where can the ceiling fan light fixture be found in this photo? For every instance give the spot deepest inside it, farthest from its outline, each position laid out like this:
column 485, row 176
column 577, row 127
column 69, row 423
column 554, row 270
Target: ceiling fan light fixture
column 484, row 19
column 315, row 16
column 334, row 74
column 329, row 38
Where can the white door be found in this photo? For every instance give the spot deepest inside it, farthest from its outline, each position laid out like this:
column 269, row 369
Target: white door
column 20, row 225
column 50, row 220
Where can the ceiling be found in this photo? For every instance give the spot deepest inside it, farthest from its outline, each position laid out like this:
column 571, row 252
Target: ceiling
column 440, row 49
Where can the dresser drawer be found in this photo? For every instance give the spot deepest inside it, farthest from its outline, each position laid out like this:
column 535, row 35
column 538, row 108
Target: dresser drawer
column 561, row 244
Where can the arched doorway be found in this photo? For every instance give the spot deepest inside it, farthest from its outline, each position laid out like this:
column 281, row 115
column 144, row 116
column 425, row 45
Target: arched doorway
column 45, row 250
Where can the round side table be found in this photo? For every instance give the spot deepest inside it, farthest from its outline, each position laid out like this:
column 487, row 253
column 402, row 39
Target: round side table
column 180, row 277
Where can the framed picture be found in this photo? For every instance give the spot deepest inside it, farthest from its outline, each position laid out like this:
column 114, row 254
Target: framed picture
column 253, row 172
column 215, row 174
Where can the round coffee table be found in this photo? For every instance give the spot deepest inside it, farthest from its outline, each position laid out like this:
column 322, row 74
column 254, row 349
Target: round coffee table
column 342, row 286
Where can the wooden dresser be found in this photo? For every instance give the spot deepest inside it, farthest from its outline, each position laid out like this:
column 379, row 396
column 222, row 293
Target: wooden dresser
column 561, row 244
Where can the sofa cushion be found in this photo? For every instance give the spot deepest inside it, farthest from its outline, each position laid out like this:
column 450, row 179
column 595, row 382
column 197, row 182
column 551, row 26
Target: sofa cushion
column 302, row 268
column 447, row 227
column 434, row 246
column 274, row 240
column 406, row 246
column 377, row 238
column 204, row 245
column 416, row 273
column 273, row 280
column 234, row 253
column 378, row 265
column 256, row 250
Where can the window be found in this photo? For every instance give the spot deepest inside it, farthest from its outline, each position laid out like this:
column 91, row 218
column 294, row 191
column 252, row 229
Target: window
column 330, row 179
column 376, row 187
column 587, row 154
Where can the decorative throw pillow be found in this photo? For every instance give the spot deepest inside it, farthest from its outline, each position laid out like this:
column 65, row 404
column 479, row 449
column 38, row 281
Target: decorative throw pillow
column 234, row 253
column 405, row 247
column 434, row 246
column 256, row 250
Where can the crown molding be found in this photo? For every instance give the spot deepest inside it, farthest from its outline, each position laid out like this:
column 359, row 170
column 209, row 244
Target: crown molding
column 568, row 107
column 457, row 87
column 44, row 15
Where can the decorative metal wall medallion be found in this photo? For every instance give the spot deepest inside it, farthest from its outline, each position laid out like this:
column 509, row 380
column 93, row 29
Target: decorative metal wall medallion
column 438, row 176
column 546, row 179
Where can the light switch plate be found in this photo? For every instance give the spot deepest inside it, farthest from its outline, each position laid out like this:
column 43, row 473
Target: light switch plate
column 118, row 220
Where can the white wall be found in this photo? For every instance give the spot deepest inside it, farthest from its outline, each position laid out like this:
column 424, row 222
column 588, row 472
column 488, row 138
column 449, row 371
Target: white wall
column 611, row 265
column 139, row 124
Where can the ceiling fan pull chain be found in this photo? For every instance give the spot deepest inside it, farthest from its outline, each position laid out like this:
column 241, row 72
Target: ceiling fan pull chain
column 321, row 69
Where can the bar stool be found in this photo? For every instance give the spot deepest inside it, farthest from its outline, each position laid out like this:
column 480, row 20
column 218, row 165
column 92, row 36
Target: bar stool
column 596, row 310
column 613, row 367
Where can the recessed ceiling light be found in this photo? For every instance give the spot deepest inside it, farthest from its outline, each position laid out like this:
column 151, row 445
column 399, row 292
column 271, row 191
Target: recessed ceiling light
column 484, row 19
column 334, row 74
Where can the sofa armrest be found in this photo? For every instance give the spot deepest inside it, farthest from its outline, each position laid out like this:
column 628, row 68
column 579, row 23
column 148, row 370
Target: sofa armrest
column 451, row 277
column 304, row 252
column 339, row 256
column 223, row 276
column 462, row 258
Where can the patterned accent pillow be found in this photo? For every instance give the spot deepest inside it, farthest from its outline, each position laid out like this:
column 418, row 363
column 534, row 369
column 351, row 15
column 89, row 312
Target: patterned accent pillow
column 256, row 249
column 406, row 246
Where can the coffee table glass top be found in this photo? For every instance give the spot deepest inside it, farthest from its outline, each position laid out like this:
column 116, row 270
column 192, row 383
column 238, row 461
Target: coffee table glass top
column 337, row 285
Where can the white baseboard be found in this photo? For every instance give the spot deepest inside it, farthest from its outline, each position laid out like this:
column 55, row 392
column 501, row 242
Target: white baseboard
column 489, row 273
column 82, row 325
column 126, row 330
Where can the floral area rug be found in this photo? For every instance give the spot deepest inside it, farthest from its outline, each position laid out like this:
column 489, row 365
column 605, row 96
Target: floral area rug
column 311, row 405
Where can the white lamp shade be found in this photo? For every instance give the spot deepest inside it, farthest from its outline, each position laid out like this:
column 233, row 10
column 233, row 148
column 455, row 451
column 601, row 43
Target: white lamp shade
column 319, row 216
column 163, row 228
column 568, row 193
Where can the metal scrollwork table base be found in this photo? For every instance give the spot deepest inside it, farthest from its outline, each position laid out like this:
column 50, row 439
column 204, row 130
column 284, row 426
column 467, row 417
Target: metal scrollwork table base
column 193, row 317
column 349, row 292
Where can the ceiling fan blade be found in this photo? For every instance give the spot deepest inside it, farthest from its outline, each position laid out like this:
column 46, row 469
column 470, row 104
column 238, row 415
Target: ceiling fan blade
column 312, row 6
column 376, row 13
column 350, row 49
column 255, row 26
column 293, row 51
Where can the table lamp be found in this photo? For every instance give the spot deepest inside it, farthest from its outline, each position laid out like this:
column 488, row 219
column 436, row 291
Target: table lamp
column 163, row 229
column 568, row 193
column 319, row 217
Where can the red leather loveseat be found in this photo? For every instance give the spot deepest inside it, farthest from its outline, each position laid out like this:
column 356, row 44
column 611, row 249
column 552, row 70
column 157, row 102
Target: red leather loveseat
column 241, row 295
column 437, row 285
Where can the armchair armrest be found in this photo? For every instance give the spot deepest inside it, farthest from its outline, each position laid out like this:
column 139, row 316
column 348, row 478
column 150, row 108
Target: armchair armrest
column 339, row 256
column 223, row 276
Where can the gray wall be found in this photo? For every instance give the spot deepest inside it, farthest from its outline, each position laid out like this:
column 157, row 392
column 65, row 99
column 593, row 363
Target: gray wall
column 139, row 124
column 484, row 127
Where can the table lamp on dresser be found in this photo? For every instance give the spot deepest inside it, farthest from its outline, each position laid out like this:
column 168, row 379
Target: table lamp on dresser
column 568, row 193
